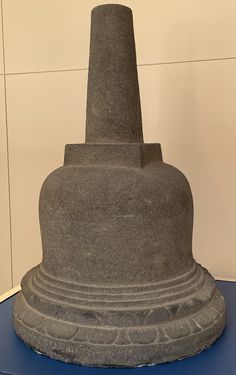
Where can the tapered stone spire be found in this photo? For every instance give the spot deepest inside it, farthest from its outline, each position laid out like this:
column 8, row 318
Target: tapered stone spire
column 118, row 284
column 113, row 103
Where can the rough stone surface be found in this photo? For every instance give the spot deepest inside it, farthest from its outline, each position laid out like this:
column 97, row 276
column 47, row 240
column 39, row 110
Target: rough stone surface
column 113, row 103
column 118, row 285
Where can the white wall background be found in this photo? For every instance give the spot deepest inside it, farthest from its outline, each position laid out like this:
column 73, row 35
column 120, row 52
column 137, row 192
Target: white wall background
column 186, row 52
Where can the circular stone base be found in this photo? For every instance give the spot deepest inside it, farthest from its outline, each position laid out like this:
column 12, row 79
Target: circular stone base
column 126, row 345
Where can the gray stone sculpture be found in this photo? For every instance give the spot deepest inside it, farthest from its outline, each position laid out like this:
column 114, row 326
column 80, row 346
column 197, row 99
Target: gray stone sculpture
column 118, row 285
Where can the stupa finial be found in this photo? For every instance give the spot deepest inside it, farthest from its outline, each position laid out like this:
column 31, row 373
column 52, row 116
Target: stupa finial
column 113, row 102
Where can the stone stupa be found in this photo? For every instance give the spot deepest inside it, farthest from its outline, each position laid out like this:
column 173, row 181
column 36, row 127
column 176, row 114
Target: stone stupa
column 118, row 285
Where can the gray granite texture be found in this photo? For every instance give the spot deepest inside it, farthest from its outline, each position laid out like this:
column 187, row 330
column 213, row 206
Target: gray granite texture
column 113, row 103
column 118, row 285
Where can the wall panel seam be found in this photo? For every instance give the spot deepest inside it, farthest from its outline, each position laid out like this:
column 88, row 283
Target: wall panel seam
column 7, row 144
column 139, row 65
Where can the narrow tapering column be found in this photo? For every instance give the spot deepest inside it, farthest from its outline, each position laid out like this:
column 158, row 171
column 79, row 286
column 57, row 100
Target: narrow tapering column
column 113, row 102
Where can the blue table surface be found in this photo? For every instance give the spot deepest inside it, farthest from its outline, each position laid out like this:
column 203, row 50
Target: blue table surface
column 18, row 359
